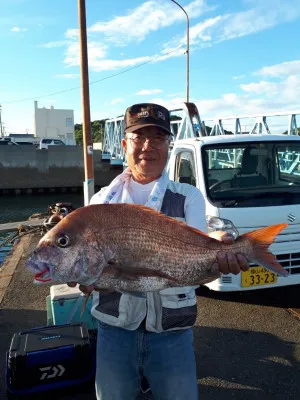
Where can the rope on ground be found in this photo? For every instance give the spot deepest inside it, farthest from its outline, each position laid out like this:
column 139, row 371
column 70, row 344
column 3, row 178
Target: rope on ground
column 22, row 231
column 57, row 212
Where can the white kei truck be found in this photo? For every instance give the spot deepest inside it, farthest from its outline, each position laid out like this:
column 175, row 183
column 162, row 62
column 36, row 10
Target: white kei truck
column 249, row 181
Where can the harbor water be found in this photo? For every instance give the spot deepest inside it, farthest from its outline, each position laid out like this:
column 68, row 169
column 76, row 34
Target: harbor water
column 20, row 208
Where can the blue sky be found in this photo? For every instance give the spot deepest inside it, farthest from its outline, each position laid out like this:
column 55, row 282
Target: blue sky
column 244, row 56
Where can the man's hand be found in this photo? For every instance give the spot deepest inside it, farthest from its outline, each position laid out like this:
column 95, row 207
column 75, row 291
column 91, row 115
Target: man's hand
column 229, row 263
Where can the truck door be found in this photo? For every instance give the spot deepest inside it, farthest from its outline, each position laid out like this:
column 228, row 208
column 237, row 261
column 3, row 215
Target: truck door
column 185, row 171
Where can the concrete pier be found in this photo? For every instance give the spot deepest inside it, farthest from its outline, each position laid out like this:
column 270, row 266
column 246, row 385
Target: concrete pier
column 24, row 169
column 14, row 226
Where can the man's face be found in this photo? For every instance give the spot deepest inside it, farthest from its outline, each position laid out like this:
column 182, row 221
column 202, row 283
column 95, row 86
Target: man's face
column 146, row 152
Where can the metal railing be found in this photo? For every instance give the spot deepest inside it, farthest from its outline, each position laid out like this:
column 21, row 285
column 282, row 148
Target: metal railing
column 186, row 123
column 278, row 122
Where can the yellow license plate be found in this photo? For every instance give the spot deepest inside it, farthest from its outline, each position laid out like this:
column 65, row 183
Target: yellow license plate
column 257, row 276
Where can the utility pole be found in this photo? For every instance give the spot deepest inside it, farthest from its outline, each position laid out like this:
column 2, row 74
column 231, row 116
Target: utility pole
column 1, row 126
column 88, row 185
column 187, row 51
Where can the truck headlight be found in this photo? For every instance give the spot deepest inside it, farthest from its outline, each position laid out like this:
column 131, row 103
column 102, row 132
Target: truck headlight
column 220, row 224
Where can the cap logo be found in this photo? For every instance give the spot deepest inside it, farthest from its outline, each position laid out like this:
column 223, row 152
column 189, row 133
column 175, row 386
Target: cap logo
column 143, row 114
column 146, row 114
column 161, row 115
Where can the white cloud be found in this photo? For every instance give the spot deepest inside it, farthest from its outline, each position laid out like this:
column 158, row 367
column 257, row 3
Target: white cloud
column 256, row 98
column 259, row 98
column 282, row 92
column 97, row 61
column 263, row 87
column 242, row 106
column 171, row 104
column 96, row 53
column 204, row 31
column 285, row 68
column 263, row 97
column 231, row 104
column 154, row 14
column 121, row 30
column 234, row 25
column 145, row 92
column 18, row 29
column 72, row 34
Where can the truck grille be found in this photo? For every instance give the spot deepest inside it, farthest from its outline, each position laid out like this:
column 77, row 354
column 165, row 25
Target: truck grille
column 290, row 262
column 226, row 279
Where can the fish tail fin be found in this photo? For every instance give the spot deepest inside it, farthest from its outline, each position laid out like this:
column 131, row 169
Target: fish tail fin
column 261, row 239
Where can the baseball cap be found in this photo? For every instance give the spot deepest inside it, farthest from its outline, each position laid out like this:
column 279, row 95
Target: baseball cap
column 147, row 114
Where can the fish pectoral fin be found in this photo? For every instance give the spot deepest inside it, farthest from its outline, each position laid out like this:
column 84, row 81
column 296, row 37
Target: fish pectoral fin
column 130, row 273
column 87, row 296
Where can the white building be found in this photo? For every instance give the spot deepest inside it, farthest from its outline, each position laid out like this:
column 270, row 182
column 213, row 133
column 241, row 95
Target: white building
column 56, row 124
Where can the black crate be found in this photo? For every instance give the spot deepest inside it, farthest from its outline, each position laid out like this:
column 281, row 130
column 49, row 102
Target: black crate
column 50, row 357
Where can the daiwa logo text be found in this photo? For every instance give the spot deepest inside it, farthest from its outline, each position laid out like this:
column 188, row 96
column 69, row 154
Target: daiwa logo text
column 50, row 337
column 51, row 372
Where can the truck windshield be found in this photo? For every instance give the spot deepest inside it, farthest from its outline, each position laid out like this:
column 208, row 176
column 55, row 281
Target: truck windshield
column 252, row 174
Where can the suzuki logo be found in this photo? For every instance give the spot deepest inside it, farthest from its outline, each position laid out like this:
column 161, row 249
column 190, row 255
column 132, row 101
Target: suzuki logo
column 291, row 217
column 52, row 371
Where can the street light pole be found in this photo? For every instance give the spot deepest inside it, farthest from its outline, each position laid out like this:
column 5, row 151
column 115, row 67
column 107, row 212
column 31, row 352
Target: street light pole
column 187, row 51
column 88, row 186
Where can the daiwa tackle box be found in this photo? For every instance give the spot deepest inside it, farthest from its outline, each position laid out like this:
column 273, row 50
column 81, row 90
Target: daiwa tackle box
column 51, row 357
column 66, row 305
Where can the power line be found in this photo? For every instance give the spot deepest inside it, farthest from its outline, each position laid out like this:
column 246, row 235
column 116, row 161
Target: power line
column 91, row 83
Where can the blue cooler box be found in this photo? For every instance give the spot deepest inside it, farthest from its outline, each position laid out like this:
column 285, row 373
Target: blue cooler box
column 66, row 306
column 51, row 357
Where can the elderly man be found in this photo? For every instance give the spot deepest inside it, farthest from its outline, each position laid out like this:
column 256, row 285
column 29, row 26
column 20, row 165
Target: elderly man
column 151, row 336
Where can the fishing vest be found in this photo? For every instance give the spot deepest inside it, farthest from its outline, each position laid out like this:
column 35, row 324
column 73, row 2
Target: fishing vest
column 167, row 309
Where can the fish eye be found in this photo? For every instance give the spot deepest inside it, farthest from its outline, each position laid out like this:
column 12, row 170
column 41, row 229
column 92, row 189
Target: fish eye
column 63, row 241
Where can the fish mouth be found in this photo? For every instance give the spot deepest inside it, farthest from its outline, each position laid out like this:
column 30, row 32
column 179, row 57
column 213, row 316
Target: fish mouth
column 41, row 269
column 43, row 276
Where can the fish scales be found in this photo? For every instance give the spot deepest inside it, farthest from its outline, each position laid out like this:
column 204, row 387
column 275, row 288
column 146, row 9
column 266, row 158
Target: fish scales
column 162, row 252
column 134, row 248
